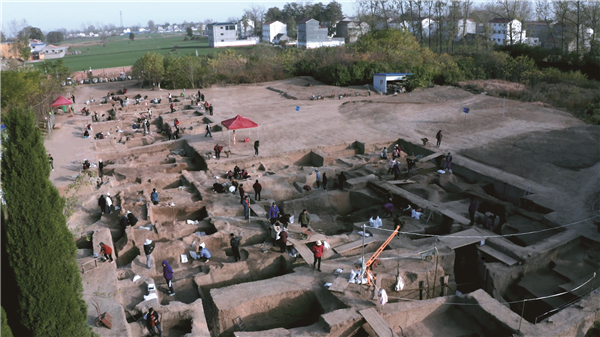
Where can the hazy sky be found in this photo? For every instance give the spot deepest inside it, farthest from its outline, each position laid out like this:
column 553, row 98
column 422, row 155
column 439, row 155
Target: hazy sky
column 51, row 15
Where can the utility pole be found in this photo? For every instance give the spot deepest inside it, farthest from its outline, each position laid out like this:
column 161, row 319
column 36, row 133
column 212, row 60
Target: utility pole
column 121, row 14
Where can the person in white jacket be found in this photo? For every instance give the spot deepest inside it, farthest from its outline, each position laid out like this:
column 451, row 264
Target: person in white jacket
column 109, row 203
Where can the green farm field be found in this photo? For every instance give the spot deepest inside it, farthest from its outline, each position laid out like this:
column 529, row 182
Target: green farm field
column 119, row 51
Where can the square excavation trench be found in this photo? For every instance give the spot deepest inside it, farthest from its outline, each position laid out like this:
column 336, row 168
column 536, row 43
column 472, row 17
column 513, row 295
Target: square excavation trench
column 176, row 327
column 286, row 309
column 233, row 274
column 455, row 321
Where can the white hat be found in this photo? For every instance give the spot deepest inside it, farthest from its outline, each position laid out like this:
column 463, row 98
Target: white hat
column 108, row 193
column 203, row 245
column 100, row 160
column 148, row 241
column 319, row 243
column 127, row 212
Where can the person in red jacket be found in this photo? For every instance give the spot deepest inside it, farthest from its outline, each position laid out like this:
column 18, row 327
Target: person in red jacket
column 318, row 250
column 107, row 251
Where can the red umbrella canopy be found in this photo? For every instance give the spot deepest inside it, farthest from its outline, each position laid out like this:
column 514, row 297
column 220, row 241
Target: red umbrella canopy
column 60, row 101
column 239, row 122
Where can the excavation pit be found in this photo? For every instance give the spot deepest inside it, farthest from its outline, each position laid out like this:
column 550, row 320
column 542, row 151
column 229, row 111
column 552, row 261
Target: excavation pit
column 284, row 303
column 186, row 291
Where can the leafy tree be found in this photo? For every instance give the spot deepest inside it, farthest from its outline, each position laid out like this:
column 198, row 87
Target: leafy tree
column 150, row 68
column 33, row 33
column 41, row 250
column 292, row 28
column 6, row 332
column 274, row 14
column 131, row 36
column 189, row 31
column 151, row 26
column 55, row 37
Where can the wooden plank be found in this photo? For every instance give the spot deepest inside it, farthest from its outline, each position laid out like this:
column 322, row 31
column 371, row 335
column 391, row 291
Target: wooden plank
column 401, row 182
column 351, row 245
column 258, row 210
column 379, row 325
column 431, row 156
column 306, row 254
column 509, row 261
column 339, row 284
column 465, row 240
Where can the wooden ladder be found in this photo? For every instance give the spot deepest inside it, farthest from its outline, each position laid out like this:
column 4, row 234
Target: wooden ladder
column 239, row 322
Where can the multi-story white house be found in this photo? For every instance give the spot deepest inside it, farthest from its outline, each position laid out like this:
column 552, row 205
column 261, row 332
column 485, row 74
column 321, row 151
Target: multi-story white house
column 224, row 34
column 270, row 29
column 312, row 35
column 507, row 31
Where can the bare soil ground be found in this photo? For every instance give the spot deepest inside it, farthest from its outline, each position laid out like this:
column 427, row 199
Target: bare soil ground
column 546, row 146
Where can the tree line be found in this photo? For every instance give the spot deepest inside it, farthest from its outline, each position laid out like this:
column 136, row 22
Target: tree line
column 565, row 21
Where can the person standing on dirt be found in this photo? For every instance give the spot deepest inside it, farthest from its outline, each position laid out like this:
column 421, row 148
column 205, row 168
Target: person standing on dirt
column 172, row 107
column 149, row 114
column 256, row 145
column 384, row 153
column 439, row 136
column 106, row 251
column 273, row 213
column 202, row 97
column 51, row 161
column 409, row 167
column 153, row 322
column 73, row 98
column 318, row 250
column 102, row 203
column 257, row 188
column 447, row 165
column 100, row 167
column 234, row 241
column 217, row 150
column 148, row 249
column 210, row 110
column 242, row 193
column 396, row 171
column 208, row 133
column 246, row 204
column 304, row 219
column 169, row 132
column 168, row 275
column 109, row 204
column 154, row 196
column 342, row 180
column 318, row 179
column 324, row 181
column 472, row 210
column 283, row 236
column 170, row 98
